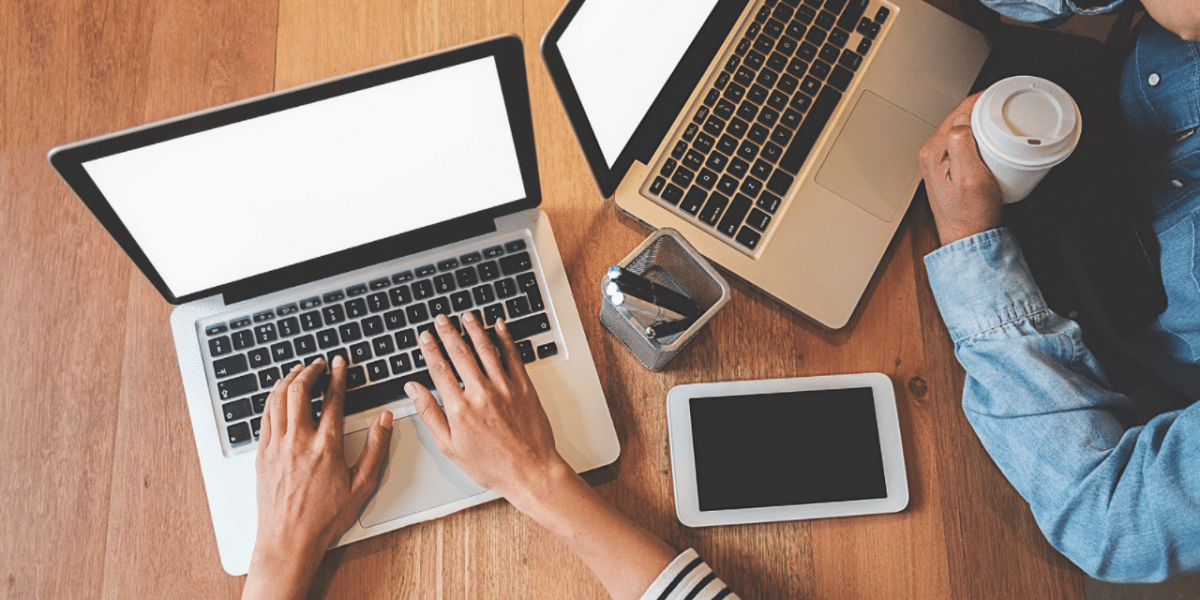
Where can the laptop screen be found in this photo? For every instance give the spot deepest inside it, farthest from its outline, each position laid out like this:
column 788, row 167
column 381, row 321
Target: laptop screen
column 260, row 194
column 620, row 54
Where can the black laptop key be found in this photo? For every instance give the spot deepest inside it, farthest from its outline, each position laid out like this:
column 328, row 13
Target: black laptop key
column 738, row 167
column 689, row 132
column 737, row 127
column 460, row 301
column 787, row 84
column 656, row 187
column 767, row 77
column 851, row 14
column 780, row 183
column 751, row 186
column 806, row 52
column 402, row 277
column 422, row 289
column 868, row 28
column 744, row 75
column 724, row 109
column 761, row 169
column 333, row 314
column 515, row 263
column 748, row 238
column 219, row 346
column 704, row 143
column 379, row 284
column 734, row 215
column 377, row 370
column 378, row 302
column 305, row 344
column 447, row 265
column 758, row 134
column 490, row 270
column 311, row 320
column 864, row 46
column 764, row 13
column 839, row 37
column 400, row 363
column 506, row 288
column 406, row 338
column 782, row 135
column 773, row 28
column 327, row 338
column 238, row 386
column 268, row 377
column 776, row 102
column 239, row 433
column 418, row 356
column 714, row 125
column 517, row 307
column 850, row 60
column 228, row 367
column 428, row 270
column 783, row 12
column 797, row 68
column 360, row 353
column 713, row 208
column 826, row 20
column 728, row 185
column 400, row 295
column 747, row 111
column 811, row 85
column 525, row 349
column 755, row 60
column 840, row 78
column 258, row 403
column 706, row 179
column 747, row 151
column 763, row 45
column 717, row 161
column 336, row 352
column 265, row 333
column 728, row 144
column 466, row 277
column 372, row 326
column 829, row 53
column 483, row 294
column 757, row 94
column 814, row 124
column 815, row 36
column 337, row 296
column 768, row 202
column 734, row 93
column 288, row 327
column 259, row 357
column 801, row 102
column 820, row 70
column 693, row 201
column 713, row 95
column 356, row 308
column 771, row 152
column 492, row 313
column 526, row 282
column 378, row 394
column 835, row 6
column 529, row 326
column 355, row 377
column 394, row 319
column 758, row 219
column 356, row 290
column 243, row 339
column 282, row 351
column 778, row 61
column 416, row 313
column 683, row 177
column 350, row 332
column 668, row 167
column 215, row 329
column 444, row 283
column 439, row 306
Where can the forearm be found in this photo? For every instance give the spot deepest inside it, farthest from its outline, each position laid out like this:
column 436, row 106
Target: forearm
column 623, row 556
column 1041, row 406
column 278, row 578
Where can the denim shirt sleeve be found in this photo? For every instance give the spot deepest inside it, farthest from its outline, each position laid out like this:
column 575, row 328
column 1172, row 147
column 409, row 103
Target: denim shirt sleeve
column 1122, row 502
column 1050, row 12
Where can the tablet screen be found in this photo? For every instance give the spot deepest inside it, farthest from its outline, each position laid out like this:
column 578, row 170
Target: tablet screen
column 785, row 449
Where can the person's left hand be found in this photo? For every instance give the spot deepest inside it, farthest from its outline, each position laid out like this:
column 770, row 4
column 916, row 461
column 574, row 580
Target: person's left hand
column 963, row 193
column 307, row 496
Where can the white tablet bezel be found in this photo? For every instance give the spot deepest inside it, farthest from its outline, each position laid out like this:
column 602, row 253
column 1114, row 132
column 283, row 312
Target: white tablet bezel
column 683, row 457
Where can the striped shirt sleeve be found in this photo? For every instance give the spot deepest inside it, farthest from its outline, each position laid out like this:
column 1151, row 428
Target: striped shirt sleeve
column 688, row 578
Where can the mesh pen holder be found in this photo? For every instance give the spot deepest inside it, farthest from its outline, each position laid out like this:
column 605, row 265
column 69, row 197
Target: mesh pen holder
column 666, row 258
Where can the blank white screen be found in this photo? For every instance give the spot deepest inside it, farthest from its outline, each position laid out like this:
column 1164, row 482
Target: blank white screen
column 619, row 54
column 247, row 198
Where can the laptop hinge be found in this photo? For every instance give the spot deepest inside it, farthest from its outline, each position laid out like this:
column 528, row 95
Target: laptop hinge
column 350, row 260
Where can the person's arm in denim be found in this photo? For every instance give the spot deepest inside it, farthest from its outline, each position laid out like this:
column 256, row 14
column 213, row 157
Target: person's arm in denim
column 1050, row 13
column 1122, row 502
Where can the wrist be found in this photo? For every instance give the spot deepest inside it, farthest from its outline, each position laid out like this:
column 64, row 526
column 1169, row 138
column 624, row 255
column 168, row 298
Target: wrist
column 541, row 497
column 282, row 568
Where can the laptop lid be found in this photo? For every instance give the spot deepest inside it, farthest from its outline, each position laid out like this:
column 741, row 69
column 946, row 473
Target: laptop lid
column 292, row 187
column 624, row 69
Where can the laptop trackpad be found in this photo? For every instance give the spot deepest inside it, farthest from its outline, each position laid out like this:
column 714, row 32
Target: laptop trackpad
column 874, row 161
column 416, row 476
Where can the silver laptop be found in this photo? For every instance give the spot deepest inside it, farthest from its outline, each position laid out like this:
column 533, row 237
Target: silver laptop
column 780, row 136
column 339, row 218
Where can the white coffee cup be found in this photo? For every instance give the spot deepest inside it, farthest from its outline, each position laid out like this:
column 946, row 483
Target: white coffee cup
column 1024, row 126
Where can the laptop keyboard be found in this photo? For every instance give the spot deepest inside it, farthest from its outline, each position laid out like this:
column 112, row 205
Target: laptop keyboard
column 374, row 325
column 740, row 153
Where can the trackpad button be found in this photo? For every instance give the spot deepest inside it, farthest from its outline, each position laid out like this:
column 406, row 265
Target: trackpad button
column 874, row 161
column 416, row 477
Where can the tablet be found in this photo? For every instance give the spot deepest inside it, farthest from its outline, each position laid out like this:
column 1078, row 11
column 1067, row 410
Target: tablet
column 785, row 449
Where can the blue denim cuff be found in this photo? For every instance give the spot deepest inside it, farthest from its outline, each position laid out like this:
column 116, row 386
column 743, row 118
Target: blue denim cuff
column 1095, row 10
column 981, row 282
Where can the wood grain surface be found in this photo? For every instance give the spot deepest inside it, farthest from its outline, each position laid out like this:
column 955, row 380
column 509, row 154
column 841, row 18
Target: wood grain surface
column 101, row 495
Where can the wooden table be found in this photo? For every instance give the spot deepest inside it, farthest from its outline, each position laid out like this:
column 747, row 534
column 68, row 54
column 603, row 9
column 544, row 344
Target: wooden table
column 101, row 494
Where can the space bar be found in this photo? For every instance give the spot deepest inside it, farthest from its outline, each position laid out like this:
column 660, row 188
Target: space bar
column 810, row 130
column 366, row 398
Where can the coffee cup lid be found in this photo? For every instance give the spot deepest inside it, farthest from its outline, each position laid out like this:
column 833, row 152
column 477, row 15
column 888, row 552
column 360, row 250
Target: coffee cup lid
column 1028, row 120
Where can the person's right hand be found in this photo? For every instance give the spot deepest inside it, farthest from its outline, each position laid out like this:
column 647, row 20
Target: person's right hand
column 963, row 193
column 493, row 427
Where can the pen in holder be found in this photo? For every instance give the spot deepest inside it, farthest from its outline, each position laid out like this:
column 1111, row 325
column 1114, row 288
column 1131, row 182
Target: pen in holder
column 669, row 294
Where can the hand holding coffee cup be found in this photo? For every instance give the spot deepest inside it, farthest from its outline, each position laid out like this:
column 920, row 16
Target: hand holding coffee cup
column 963, row 194
column 1024, row 126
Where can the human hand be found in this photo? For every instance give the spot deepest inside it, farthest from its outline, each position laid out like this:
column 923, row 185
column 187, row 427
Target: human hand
column 493, row 427
column 963, row 193
column 1181, row 17
column 307, row 496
